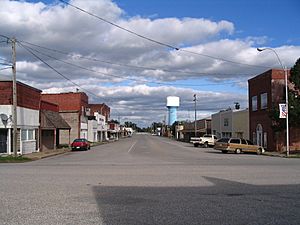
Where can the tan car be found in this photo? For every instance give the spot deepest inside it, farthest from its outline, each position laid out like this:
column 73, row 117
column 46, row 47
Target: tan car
column 237, row 145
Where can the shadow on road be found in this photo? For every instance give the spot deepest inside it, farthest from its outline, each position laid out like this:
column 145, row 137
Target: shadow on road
column 225, row 202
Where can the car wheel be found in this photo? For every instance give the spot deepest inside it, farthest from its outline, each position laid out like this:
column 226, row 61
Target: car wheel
column 238, row 151
column 196, row 144
column 205, row 145
column 259, row 151
column 224, row 151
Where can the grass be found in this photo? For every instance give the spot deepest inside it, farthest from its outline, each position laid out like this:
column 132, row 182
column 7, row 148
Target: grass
column 294, row 155
column 12, row 159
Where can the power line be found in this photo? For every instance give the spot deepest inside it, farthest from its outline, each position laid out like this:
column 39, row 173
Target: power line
column 5, row 68
column 52, row 68
column 127, row 65
column 158, row 42
column 56, row 71
column 132, row 79
column 120, row 27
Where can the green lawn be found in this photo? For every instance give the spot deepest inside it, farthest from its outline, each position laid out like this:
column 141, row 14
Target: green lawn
column 12, row 159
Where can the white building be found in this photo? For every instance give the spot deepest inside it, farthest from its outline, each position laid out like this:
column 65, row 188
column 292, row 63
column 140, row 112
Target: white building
column 97, row 128
column 28, row 115
column 231, row 123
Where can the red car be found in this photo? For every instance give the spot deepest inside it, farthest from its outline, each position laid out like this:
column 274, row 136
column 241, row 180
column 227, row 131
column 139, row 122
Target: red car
column 80, row 144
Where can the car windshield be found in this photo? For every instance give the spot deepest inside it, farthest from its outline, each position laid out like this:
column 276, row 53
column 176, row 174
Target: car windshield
column 250, row 142
column 223, row 140
column 79, row 140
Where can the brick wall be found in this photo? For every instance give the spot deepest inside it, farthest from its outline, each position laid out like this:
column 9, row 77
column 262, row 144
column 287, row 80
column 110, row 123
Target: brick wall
column 27, row 97
column 49, row 106
column 271, row 82
column 103, row 109
column 68, row 101
column 72, row 118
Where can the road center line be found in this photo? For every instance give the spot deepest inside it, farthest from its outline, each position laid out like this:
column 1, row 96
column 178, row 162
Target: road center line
column 132, row 146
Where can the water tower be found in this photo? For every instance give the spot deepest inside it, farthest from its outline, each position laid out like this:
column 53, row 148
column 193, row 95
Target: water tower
column 172, row 105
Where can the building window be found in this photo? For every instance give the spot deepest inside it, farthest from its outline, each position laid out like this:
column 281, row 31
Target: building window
column 226, row 122
column 254, row 137
column 264, row 101
column 254, row 103
column 226, row 134
column 27, row 135
column 265, row 140
column 239, row 134
column 23, row 135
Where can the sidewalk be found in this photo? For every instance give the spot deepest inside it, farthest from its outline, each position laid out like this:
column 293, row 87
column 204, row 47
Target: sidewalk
column 46, row 153
column 293, row 154
column 49, row 153
column 276, row 154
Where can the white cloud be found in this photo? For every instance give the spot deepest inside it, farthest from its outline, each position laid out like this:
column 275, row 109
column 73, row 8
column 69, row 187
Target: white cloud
column 61, row 27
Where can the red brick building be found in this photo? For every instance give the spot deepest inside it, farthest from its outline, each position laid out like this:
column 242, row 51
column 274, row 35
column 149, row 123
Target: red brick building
column 73, row 108
column 267, row 90
column 102, row 109
column 51, row 126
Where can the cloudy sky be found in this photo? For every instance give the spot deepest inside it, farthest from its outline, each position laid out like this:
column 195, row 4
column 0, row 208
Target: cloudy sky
column 61, row 48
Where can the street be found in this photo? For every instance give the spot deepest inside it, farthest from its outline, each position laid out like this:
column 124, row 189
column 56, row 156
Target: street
column 151, row 180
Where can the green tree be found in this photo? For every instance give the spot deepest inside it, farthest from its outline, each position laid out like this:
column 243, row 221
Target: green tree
column 294, row 98
column 294, row 102
column 295, row 75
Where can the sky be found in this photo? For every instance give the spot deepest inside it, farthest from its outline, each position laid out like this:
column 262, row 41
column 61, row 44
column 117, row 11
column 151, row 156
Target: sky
column 61, row 49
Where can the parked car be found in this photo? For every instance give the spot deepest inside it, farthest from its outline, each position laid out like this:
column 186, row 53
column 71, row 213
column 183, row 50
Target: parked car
column 80, row 144
column 207, row 140
column 237, row 145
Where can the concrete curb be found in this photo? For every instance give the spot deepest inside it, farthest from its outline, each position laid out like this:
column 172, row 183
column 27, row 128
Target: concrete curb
column 46, row 154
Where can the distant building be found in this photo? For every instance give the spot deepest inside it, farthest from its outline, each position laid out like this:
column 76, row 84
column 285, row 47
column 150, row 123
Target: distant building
column 188, row 130
column 73, row 108
column 101, row 113
column 266, row 91
column 51, row 125
column 231, row 123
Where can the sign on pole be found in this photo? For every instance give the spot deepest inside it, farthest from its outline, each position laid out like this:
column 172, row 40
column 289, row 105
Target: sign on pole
column 282, row 110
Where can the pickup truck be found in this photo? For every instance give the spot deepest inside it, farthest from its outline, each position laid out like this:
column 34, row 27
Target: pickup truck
column 207, row 140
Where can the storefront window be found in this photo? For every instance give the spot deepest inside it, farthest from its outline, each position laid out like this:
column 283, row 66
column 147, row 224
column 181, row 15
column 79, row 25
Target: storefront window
column 23, row 135
column 30, row 135
column 27, row 135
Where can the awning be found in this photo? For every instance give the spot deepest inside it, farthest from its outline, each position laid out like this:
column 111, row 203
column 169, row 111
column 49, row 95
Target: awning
column 50, row 120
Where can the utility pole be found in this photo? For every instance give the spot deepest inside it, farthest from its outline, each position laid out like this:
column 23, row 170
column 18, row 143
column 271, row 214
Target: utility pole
column 14, row 111
column 195, row 100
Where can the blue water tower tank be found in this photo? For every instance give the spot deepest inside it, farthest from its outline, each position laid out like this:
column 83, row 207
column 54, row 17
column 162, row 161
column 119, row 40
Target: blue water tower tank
column 172, row 105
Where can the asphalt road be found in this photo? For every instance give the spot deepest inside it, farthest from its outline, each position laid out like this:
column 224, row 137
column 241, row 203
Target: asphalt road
column 151, row 180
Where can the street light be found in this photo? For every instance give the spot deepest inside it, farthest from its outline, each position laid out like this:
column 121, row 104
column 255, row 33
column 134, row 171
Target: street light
column 195, row 100
column 286, row 97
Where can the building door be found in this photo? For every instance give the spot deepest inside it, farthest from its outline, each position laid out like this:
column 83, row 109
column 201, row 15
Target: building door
column 3, row 140
column 259, row 135
column 47, row 139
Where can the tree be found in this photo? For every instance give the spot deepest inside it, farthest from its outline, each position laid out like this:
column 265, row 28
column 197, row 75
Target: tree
column 131, row 124
column 294, row 102
column 294, row 95
column 295, row 75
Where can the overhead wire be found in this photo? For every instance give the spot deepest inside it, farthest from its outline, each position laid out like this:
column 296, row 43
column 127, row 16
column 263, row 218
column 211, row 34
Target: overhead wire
column 61, row 74
column 55, row 70
column 128, row 78
column 127, row 65
column 5, row 68
column 158, row 42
